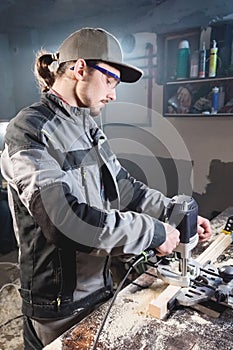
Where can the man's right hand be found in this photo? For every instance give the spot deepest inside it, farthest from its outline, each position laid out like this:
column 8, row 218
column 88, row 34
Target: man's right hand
column 171, row 242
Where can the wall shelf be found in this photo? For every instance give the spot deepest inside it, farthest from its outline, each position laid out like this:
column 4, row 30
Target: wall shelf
column 188, row 97
column 198, row 80
column 192, row 97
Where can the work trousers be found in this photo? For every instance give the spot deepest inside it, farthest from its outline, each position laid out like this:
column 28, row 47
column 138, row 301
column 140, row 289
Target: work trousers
column 40, row 332
column 31, row 340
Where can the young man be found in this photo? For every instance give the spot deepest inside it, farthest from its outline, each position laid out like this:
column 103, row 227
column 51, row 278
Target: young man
column 73, row 204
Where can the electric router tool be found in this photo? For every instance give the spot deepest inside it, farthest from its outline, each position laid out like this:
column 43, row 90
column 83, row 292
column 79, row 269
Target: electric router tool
column 199, row 283
column 211, row 283
column 181, row 213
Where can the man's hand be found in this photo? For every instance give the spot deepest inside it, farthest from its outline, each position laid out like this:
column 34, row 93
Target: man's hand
column 203, row 229
column 172, row 240
column 173, row 236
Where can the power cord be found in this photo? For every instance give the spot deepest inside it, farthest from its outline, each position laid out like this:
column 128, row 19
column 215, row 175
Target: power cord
column 9, row 263
column 143, row 257
column 10, row 284
column 11, row 320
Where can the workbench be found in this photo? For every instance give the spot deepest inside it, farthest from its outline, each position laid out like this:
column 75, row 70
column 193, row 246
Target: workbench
column 129, row 325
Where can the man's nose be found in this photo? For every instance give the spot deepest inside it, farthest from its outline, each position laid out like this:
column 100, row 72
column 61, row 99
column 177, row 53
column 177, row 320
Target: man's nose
column 112, row 94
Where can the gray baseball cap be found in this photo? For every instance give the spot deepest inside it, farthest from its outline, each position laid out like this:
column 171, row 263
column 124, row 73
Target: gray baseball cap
column 97, row 44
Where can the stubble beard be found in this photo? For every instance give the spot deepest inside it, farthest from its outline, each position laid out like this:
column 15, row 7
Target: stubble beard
column 85, row 101
column 95, row 111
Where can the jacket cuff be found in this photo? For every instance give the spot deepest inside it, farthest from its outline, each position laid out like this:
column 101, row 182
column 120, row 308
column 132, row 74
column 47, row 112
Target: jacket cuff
column 159, row 235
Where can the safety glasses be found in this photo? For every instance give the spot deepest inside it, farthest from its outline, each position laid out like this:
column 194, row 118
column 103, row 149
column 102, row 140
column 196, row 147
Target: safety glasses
column 112, row 83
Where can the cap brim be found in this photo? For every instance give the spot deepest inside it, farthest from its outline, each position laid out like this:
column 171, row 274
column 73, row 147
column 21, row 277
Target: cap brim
column 129, row 74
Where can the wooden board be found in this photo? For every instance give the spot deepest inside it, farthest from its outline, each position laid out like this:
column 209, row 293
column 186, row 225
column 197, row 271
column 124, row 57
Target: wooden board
column 215, row 249
column 158, row 306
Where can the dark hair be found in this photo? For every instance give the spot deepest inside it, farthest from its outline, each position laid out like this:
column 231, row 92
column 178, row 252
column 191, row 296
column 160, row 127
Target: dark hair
column 46, row 75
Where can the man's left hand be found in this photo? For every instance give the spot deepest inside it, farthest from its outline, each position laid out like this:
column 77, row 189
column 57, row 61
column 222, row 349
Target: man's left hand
column 203, row 229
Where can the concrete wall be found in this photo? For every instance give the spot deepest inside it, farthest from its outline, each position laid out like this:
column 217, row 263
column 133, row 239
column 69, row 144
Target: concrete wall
column 6, row 78
column 204, row 142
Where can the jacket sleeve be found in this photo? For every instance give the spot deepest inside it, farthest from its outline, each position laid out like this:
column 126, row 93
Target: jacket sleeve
column 44, row 189
column 138, row 197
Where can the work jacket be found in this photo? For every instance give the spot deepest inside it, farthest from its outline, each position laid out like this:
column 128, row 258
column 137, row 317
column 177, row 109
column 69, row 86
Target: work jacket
column 74, row 206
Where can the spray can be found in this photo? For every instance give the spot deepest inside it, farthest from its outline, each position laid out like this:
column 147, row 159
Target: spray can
column 215, row 100
column 183, row 60
column 202, row 62
column 213, row 60
column 194, row 61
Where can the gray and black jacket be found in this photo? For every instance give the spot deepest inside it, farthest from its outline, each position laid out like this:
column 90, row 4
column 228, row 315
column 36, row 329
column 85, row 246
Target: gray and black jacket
column 74, row 206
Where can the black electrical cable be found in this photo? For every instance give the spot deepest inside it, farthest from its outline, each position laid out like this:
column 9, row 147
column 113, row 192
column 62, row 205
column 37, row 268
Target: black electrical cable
column 143, row 257
column 11, row 320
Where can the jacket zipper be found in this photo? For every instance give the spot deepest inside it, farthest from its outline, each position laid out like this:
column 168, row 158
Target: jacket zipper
column 59, row 296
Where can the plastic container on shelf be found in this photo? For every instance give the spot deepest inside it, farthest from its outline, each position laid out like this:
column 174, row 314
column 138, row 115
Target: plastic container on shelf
column 183, row 60
column 194, row 64
column 202, row 62
column 213, row 60
column 215, row 100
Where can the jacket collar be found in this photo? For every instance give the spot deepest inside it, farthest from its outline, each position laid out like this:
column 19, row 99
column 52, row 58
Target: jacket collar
column 60, row 107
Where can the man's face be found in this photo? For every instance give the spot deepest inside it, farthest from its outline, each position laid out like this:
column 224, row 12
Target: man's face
column 97, row 88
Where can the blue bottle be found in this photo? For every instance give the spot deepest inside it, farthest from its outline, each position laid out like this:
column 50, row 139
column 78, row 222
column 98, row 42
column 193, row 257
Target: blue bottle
column 215, row 100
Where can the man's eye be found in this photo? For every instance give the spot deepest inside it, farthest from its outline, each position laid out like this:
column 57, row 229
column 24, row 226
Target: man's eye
column 109, row 82
column 112, row 83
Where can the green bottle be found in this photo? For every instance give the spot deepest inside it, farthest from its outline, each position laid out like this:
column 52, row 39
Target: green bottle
column 183, row 60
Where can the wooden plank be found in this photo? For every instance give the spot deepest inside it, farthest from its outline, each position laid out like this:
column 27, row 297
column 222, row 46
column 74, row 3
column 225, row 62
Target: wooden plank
column 206, row 310
column 215, row 249
column 158, row 306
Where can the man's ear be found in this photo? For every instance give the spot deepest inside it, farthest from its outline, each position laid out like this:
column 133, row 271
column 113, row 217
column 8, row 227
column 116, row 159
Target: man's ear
column 79, row 68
